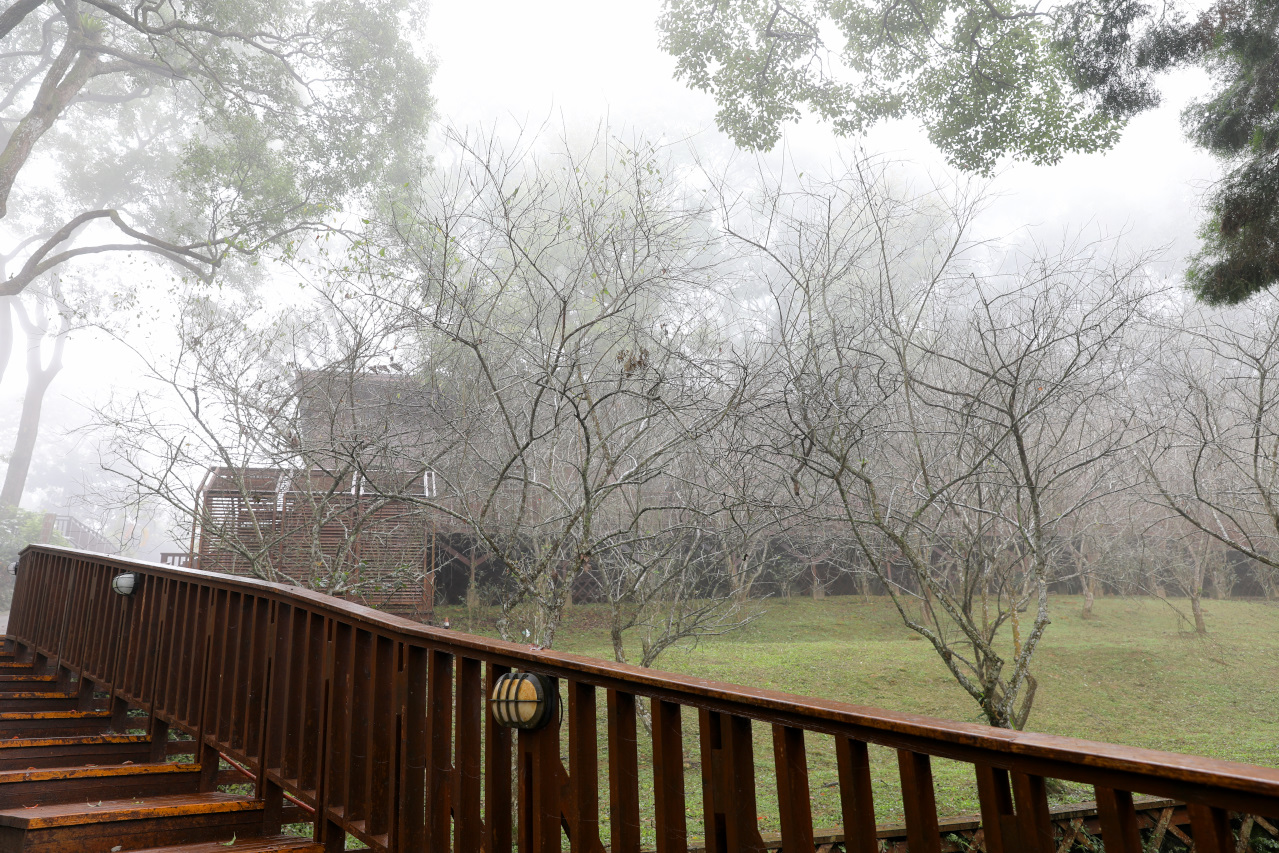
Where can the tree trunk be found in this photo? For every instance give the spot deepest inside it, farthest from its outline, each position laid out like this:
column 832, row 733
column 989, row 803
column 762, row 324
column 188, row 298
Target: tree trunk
column 39, row 377
column 6, row 330
column 1197, row 609
column 1089, row 595
column 1196, row 590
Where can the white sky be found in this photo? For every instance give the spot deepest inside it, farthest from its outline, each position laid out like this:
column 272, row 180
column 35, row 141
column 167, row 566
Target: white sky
column 577, row 62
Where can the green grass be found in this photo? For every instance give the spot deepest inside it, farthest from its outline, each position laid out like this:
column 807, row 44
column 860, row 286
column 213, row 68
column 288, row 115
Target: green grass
column 1133, row 675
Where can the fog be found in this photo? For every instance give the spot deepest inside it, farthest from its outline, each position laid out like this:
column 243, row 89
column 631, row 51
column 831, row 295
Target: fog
column 568, row 68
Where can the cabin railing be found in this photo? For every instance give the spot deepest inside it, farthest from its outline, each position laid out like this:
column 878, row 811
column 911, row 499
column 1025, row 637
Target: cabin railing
column 380, row 728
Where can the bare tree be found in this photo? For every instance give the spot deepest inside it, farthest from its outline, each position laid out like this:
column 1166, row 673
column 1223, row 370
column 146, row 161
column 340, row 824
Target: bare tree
column 36, row 325
column 1213, row 457
column 951, row 417
column 566, row 293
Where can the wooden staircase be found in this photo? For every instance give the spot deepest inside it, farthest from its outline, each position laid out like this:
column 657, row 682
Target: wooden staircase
column 73, row 778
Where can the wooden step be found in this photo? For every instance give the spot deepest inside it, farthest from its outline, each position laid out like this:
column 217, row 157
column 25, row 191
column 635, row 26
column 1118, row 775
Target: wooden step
column 53, row 723
column 273, row 844
column 129, row 824
column 38, row 700
column 19, row 753
column 90, row 783
column 25, row 681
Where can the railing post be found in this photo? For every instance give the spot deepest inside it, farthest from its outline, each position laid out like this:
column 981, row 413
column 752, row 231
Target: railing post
column 540, row 772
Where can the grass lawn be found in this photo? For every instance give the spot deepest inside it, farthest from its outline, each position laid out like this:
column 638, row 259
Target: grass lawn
column 1133, row 675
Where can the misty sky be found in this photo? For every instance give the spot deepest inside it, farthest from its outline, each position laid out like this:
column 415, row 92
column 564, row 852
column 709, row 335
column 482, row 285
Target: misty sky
column 575, row 63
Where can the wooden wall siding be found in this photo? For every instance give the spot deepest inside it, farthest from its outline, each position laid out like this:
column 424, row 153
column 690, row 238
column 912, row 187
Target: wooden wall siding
column 385, row 544
column 380, row 726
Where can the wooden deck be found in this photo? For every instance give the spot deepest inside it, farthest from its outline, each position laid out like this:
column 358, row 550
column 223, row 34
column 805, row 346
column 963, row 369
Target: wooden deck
column 208, row 712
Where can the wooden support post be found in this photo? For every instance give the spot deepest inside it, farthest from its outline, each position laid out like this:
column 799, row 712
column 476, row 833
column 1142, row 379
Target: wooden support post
column 159, row 740
column 1211, row 829
column 1034, row 821
column 539, row 790
column 999, row 823
column 1119, row 831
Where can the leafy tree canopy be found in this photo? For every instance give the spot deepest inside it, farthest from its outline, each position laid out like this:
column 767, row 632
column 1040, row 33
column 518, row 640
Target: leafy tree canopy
column 997, row 79
column 197, row 131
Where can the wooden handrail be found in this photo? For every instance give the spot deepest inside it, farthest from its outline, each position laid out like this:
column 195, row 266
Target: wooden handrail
column 380, row 725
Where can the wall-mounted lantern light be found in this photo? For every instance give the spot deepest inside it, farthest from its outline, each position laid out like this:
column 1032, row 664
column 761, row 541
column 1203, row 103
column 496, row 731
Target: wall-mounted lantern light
column 13, row 567
column 524, row 700
column 125, row 584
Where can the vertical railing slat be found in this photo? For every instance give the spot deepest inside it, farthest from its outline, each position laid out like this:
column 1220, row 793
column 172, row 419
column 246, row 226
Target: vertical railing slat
column 623, row 773
column 498, row 750
column 583, row 768
column 793, row 795
column 381, row 734
column 412, row 805
column 856, row 796
column 359, row 771
column 468, row 696
column 337, row 759
column 923, row 835
column 668, row 778
column 439, row 766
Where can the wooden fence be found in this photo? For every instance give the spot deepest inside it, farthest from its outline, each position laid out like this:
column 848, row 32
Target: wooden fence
column 379, row 728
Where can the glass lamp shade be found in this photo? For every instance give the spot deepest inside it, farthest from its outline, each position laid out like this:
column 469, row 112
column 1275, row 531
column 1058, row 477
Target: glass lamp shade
column 125, row 584
column 524, row 700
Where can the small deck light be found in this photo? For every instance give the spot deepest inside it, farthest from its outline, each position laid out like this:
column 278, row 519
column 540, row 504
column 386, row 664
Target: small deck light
column 13, row 567
column 126, row 583
column 524, row 700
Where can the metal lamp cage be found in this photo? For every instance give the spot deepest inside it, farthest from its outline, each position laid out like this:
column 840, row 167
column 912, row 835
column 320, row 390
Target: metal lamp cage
column 524, row 700
column 126, row 583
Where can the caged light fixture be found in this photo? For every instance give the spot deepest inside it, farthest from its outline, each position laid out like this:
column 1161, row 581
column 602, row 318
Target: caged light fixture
column 125, row 584
column 524, row 700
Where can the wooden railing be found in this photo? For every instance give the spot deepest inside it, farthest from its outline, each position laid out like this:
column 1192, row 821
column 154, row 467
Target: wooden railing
column 379, row 727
